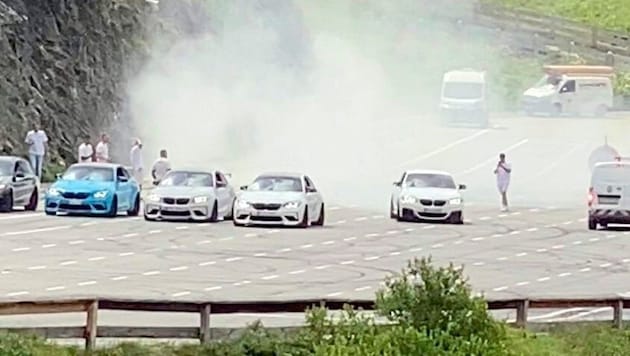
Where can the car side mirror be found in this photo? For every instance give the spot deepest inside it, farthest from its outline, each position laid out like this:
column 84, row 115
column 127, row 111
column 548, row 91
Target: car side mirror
column 311, row 190
column 462, row 187
column 19, row 175
column 243, row 187
column 221, row 185
column 58, row 176
column 397, row 184
column 123, row 179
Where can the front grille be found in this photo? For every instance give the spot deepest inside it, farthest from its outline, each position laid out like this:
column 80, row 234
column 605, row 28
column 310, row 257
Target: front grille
column 82, row 207
column 177, row 201
column 608, row 199
column 432, row 215
column 175, row 213
column 73, row 195
column 426, row 202
column 266, row 218
column 439, row 202
column 263, row 206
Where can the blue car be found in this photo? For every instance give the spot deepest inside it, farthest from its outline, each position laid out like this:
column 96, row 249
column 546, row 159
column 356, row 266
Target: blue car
column 103, row 189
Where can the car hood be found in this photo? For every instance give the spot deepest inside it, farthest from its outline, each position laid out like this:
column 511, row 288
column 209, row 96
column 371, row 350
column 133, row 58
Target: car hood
column 540, row 92
column 432, row 193
column 271, row 197
column 82, row 185
column 182, row 192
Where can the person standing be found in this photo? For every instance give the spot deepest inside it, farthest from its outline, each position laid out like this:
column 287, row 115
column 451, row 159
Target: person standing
column 86, row 152
column 503, row 173
column 137, row 166
column 102, row 149
column 36, row 139
column 160, row 167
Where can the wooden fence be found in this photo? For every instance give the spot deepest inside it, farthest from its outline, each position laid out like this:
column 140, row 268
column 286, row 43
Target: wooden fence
column 564, row 33
column 90, row 331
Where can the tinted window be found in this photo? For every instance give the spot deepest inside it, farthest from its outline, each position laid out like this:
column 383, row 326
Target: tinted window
column 463, row 90
column 276, row 184
column 6, row 168
column 186, row 179
column 99, row 174
column 429, row 181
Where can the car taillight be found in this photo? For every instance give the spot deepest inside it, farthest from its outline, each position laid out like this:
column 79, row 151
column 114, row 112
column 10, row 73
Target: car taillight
column 591, row 197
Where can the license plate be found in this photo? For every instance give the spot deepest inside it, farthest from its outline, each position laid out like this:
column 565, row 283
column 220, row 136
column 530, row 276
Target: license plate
column 261, row 213
column 429, row 210
column 169, row 208
column 75, row 202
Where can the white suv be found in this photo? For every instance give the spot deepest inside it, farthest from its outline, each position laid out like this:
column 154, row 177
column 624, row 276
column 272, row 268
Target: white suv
column 609, row 194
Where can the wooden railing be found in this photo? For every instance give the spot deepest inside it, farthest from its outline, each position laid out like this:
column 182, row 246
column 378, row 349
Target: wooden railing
column 557, row 30
column 90, row 331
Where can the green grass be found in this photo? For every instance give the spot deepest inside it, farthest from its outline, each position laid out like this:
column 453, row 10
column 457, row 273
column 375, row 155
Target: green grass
column 609, row 14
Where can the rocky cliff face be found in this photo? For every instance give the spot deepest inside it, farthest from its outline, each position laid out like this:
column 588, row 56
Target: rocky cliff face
column 64, row 63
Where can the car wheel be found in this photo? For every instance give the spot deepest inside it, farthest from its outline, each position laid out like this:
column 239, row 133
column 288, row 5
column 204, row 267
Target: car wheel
column 231, row 213
column 214, row 216
column 146, row 218
column 592, row 224
column 8, row 204
column 51, row 213
column 320, row 220
column 113, row 209
column 399, row 216
column 392, row 214
column 33, row 200
column 457, row 218
column 136, row 207
column 304, row 222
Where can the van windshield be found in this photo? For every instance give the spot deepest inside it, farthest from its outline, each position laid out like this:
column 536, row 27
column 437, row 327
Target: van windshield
column 462, row 90
column 612, row 174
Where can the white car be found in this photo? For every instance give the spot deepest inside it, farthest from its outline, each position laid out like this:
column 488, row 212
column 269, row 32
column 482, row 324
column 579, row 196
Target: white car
column 609, row 194
column 427, row 195
column 288, row 199
column 191, row 195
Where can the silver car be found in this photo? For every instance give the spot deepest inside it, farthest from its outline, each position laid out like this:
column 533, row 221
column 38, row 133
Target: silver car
column 288, row 199
column 191, row 195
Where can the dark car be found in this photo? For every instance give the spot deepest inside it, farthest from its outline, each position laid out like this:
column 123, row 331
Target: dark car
column 19, row 186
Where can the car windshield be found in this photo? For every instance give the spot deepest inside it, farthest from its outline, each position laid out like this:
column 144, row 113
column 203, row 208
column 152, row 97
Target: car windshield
column 187, row 179
column 98, row 174
column 612, row 174
column 426, row 180
column 454, row 90
column 276, row 184
column 6, row 168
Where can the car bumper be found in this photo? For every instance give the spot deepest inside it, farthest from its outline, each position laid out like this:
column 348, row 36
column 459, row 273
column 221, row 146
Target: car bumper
column 188, row 212
column 90, row 206
column 610, row 216
column 433, row 213
column 282, row 216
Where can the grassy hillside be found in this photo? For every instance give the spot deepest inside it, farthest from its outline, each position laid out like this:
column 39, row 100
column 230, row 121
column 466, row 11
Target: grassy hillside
column 611, row 14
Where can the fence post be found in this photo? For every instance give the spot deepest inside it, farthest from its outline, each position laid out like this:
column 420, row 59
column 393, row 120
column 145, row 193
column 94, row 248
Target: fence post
column 522, row 309
column 204, row 328
column 91, row 329
column 618, row 314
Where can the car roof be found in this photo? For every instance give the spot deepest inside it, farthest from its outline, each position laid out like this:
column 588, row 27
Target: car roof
column 281, row 174
column 97, row 165
column 10, row 158
column 427, row 171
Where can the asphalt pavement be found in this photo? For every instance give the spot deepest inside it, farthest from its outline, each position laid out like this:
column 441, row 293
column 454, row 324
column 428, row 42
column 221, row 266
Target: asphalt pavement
column 541, row 248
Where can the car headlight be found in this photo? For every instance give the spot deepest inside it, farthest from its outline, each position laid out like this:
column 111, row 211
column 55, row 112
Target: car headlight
column 153, row 197
column 53, row 192
column 242, row 204
column 292, row 205
column 407, row 199
column 100, row 195
column 455, row 201
column 199, row 200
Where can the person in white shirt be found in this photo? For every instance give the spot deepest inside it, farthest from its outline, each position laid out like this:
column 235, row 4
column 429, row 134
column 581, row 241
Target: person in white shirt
column 503, row 173
column 102, row 149
column 85, row 151
column 160, row 167
column 137, row 166
column 36, row 140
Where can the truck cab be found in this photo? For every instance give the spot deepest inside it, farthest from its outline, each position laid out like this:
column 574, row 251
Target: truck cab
column 463, row 98
column 577, row 90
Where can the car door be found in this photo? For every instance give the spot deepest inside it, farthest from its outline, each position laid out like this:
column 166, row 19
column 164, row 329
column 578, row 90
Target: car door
column 397, row 189
column 567, row 94
column 222, row 190
column 21, row 192
column 313, row 198
column 32, row 182
column 123, row 188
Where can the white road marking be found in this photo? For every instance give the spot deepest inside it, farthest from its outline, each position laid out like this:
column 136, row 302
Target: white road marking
column 98, row 258
column 20, row 249
column 585, row 269
column 392, row 232
column 300, row 271
column 350, row 239
column 543, row 279
column 209, row 289
column 458, row 242
column 604, row 265
column 20, row 216
column 349, row 262
column 524, row 283
column 49, row 245
column 35, row 231
column 410, row 229
column 180, row 294
column 484, row 218
column 306, row 246
column 502, row 259
column 16, row 294
column 479, row 263
column 443, row 148
column 90, row 223
column 340, row 222
column 285, row 250
column 329, row 242
column 577, row 242
column 123, row 254
column 521, row 254
column 55, row 288
column 437, row 246
column 498, row 289
column 372, row 235
column 180, row 268
column 233, row 259
column 542, row 250
column 361, row 218
column 261, row 254
column 416, row 249
column 515, row 232
column 322, row 267
column 133, row 234
column 378, row 217
column 34, row 268
column 181, row 228
column 333, row 294
column 68, row 263
column 594, row 239
column 480, row 238
column 76, row 242
column 207, row 263
column 267, row 278
column 204, row 242
column 429, row 227
column 119, row 278
column 232, row 237
column 153, row 232
column 532, row 229
column 557, row 247
column 151, row 273
column 371, row 258
column 250, row 235
column 362, row 288
column 565, row 274
column 88, row 283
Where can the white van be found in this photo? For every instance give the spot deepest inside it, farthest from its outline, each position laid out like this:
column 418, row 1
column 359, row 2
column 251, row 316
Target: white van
column 576, row 90
column 463, row 97
column 609, row 194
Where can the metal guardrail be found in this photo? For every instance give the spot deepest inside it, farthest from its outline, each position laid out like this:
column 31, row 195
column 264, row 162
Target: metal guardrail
column 90, row 331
